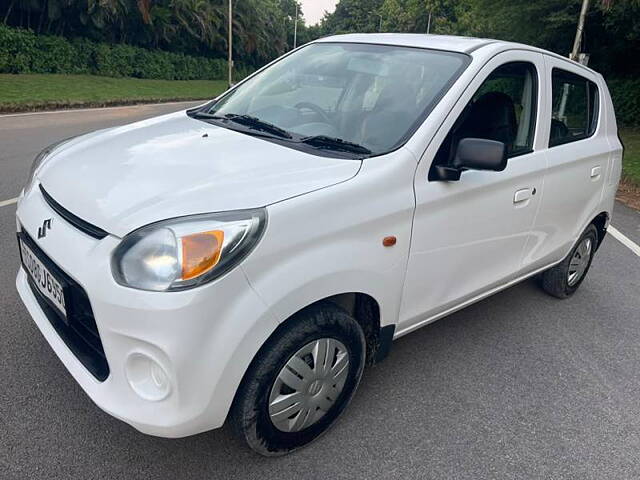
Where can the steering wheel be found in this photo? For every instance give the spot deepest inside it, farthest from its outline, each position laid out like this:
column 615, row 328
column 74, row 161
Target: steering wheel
column 315, row 108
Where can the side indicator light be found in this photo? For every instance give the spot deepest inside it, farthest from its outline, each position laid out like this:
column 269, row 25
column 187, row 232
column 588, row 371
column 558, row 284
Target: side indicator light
column 389, row 241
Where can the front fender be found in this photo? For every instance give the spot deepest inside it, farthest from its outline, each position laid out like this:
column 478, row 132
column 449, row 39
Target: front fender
column 330, row 242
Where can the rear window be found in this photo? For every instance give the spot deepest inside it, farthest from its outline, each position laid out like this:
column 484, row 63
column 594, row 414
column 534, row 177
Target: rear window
column 575, row 107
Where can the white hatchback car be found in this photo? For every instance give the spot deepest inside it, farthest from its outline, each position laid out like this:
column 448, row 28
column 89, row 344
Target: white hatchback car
column 245, row 259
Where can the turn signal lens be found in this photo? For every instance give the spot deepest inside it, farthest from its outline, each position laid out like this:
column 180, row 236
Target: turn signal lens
column 200, row 252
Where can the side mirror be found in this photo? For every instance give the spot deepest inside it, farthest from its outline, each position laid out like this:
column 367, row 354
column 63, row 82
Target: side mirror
column 480, row 154
column 472, row 154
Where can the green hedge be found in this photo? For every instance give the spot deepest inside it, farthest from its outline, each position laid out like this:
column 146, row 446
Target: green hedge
column 625, row 94
column 22, row 51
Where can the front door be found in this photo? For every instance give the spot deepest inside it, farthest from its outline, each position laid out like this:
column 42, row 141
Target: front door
column 469, row 236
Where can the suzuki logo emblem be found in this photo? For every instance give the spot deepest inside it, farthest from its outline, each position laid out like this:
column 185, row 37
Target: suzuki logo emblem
column 42, row 231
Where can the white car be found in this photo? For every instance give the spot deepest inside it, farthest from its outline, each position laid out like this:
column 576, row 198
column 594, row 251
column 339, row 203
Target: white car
column 244, row 260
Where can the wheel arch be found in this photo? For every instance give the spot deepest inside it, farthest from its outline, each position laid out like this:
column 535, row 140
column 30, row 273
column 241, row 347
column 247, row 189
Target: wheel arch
column 366, row 310
column 600, row 221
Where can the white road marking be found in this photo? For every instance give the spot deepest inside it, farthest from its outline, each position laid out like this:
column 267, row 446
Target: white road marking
column 72, row 110
column 11, row 201
column 623, row 239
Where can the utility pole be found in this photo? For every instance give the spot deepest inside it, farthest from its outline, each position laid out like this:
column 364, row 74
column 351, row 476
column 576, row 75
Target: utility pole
column 295, row 29
column 429, row 23
column 573, row 56
column 230, row 44
column 578, row 40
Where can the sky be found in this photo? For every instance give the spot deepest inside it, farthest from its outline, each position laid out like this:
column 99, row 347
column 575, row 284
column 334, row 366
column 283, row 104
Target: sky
column 313, row 10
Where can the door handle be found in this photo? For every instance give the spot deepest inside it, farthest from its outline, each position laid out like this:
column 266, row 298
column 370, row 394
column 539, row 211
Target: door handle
column 522, row 195
column 595, row 171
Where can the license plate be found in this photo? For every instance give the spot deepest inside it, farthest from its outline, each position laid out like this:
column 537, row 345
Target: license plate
column 43, row 279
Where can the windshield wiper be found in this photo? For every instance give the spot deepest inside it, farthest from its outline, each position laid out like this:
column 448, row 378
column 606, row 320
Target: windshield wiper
column 253, row 123
column 201, row 114
column 322, row 142
column 256, row 124
column 336, row 144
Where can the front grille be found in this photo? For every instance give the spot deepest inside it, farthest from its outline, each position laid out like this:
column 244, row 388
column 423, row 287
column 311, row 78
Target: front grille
column 79, row 332
column 80, row 224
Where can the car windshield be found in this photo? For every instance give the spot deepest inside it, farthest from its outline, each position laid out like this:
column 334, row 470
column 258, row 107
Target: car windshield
column 359, row 98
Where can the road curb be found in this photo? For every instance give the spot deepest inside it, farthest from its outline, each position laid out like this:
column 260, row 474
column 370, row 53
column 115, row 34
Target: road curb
column 81, row 106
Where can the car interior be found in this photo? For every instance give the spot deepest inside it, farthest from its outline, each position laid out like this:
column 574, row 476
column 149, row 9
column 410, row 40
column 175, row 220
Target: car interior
column 575, row 107
column 503, row 109
column 371, row 95
column 371, row 110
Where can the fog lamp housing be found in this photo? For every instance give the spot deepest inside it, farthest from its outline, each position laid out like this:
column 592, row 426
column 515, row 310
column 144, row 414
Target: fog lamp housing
column 147, row 378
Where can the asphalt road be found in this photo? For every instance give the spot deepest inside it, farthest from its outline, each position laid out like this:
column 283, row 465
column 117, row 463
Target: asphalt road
column 518, row 386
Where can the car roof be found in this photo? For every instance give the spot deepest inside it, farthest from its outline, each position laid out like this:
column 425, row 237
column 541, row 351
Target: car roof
column 450, row 43
column 438, row 42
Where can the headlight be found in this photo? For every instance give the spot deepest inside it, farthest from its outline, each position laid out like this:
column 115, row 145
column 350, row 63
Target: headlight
column 186, row 252
column 41, row 157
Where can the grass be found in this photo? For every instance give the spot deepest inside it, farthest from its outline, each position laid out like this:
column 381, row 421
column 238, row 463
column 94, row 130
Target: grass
column 631, row 161
column 629, row 190
column 37, row 92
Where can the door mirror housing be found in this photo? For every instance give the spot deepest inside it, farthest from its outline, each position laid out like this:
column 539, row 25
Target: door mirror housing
column 480, row 154
column 472, row 154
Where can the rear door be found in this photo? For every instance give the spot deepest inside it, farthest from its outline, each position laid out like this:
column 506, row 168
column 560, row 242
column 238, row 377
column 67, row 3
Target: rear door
column 469, row 236
column 577, row 156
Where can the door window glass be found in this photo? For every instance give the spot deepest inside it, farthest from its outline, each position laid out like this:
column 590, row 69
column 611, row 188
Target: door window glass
column 502, row 109
column 575, row 107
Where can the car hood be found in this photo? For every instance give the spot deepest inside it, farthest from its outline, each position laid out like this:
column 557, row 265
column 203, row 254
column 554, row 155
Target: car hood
column 126, row 177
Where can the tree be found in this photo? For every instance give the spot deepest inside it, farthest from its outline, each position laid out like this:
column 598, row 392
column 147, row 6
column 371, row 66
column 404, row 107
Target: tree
column 612, row 28
column 413, row 16
column 263, row 29
column 353, row 16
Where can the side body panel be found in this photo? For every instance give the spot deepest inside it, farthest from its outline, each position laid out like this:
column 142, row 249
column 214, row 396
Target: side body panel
column 294, row 265
column 575, row 180
column 469, row 236
column 615, row 151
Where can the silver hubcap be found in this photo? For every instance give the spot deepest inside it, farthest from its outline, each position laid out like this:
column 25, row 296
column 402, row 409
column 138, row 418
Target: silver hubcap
column 308, row 385
column 579, row 262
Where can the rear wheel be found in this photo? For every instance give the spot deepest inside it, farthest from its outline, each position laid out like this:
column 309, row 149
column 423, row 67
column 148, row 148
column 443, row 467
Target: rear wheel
column 300, row 381
column 564, row 279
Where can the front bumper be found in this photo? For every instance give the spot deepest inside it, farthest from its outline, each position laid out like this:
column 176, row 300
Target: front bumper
column 200, row 340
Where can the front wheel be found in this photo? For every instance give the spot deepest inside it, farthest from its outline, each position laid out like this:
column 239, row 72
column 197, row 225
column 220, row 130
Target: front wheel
column 300, row 381
column 564, row 279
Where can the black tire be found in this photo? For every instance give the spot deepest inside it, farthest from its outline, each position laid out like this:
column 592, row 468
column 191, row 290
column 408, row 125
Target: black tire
column 555, row 281
column 250, row 412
